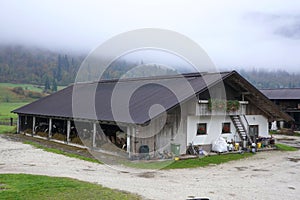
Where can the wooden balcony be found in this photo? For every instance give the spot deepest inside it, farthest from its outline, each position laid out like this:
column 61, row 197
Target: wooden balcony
column 202, row 109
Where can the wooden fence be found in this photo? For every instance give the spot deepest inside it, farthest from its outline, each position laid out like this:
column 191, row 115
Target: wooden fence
column 8, row 122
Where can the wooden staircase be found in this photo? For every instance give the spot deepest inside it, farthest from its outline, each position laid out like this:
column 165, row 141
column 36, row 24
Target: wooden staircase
column 241, row 129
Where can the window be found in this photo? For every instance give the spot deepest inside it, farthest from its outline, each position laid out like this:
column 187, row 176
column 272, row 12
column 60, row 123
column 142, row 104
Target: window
column 226, row 127
column 201, row 129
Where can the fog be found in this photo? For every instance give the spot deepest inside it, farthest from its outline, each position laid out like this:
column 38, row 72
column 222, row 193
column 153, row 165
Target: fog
column 235, row 34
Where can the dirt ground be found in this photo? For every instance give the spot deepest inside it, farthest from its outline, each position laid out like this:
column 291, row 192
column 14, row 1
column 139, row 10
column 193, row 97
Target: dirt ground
column 267, row 175
column 293, row 141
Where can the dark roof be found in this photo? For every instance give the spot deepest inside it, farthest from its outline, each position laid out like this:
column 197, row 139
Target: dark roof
column 110, row 96
column 282, row 93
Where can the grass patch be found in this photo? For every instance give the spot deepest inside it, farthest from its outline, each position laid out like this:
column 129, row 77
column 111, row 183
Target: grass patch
column 286, row 132
column 7, row 129
column 283, row 147
column 31, row 187
column 7, row 95
column 57, row 151
column 6, row 108
column 189, row 163
column 206, row 161
column 33, row 88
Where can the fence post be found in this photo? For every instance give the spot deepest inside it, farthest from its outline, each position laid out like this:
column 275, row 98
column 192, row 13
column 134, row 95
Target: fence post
column 11, row 121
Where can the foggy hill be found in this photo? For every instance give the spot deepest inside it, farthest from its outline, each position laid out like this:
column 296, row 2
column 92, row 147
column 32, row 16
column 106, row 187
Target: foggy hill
column 266, row 79
column 19, row 64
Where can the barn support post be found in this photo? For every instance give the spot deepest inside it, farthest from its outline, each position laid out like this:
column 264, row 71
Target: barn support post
column 68, row 130
column 50, row 128
column 18, row 124
column 33, row 125
column 281, row 124
column 128, row 141
column 94, row 135
column 133, row 139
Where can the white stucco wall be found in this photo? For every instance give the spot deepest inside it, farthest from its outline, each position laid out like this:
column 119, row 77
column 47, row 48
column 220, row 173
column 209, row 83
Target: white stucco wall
column 214, row 128
column 262, row 122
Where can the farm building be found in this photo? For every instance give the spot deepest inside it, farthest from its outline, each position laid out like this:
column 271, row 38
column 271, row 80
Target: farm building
column 163, row 110
column 288, row 100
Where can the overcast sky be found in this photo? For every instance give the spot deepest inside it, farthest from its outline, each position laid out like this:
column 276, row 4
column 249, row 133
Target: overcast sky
column 249, row 33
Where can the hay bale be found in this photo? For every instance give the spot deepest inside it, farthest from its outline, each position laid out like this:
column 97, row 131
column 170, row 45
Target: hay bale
column 76, row 140
column 28, row 131
column 42, row 134
column 58, row 136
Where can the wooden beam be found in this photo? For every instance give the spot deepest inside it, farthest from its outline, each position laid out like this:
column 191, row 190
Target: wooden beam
column 262, row 102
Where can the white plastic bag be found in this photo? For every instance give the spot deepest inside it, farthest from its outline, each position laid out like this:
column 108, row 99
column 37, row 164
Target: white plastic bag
column 219, row 145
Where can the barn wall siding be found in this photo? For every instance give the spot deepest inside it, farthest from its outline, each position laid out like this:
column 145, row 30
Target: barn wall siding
column 161, row 132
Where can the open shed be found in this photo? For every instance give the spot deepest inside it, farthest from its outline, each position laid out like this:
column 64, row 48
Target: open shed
column 184, row 114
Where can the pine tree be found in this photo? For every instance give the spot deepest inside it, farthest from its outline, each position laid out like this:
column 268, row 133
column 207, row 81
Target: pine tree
column 47, row 84
column 58, row 74
column 54, row 85
column 66, row 63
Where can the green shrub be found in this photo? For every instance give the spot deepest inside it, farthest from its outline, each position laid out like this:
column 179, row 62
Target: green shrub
column 34, row 95
column 18, row 90
column 223, row 105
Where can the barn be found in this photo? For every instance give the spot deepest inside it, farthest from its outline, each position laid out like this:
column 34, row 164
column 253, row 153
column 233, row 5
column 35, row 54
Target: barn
column 288, row 100
column 162, row 111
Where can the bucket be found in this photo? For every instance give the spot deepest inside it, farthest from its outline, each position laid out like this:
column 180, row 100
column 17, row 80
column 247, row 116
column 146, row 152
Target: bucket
column 258, row 145
column 236, row 146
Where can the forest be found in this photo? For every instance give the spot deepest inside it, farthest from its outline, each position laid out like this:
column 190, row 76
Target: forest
column 20, row 64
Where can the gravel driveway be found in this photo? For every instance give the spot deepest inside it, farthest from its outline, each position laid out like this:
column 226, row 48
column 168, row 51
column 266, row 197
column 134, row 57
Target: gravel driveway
column 267, row 175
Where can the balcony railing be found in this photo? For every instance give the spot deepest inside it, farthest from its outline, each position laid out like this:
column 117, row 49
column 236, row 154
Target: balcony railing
column 203, row 109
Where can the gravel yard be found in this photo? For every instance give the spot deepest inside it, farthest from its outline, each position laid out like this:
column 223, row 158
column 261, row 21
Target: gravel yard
column 267, row 175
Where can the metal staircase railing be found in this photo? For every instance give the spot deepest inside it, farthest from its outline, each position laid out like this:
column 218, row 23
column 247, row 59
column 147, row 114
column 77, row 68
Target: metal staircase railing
column 248, row 132
column 241, row 129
